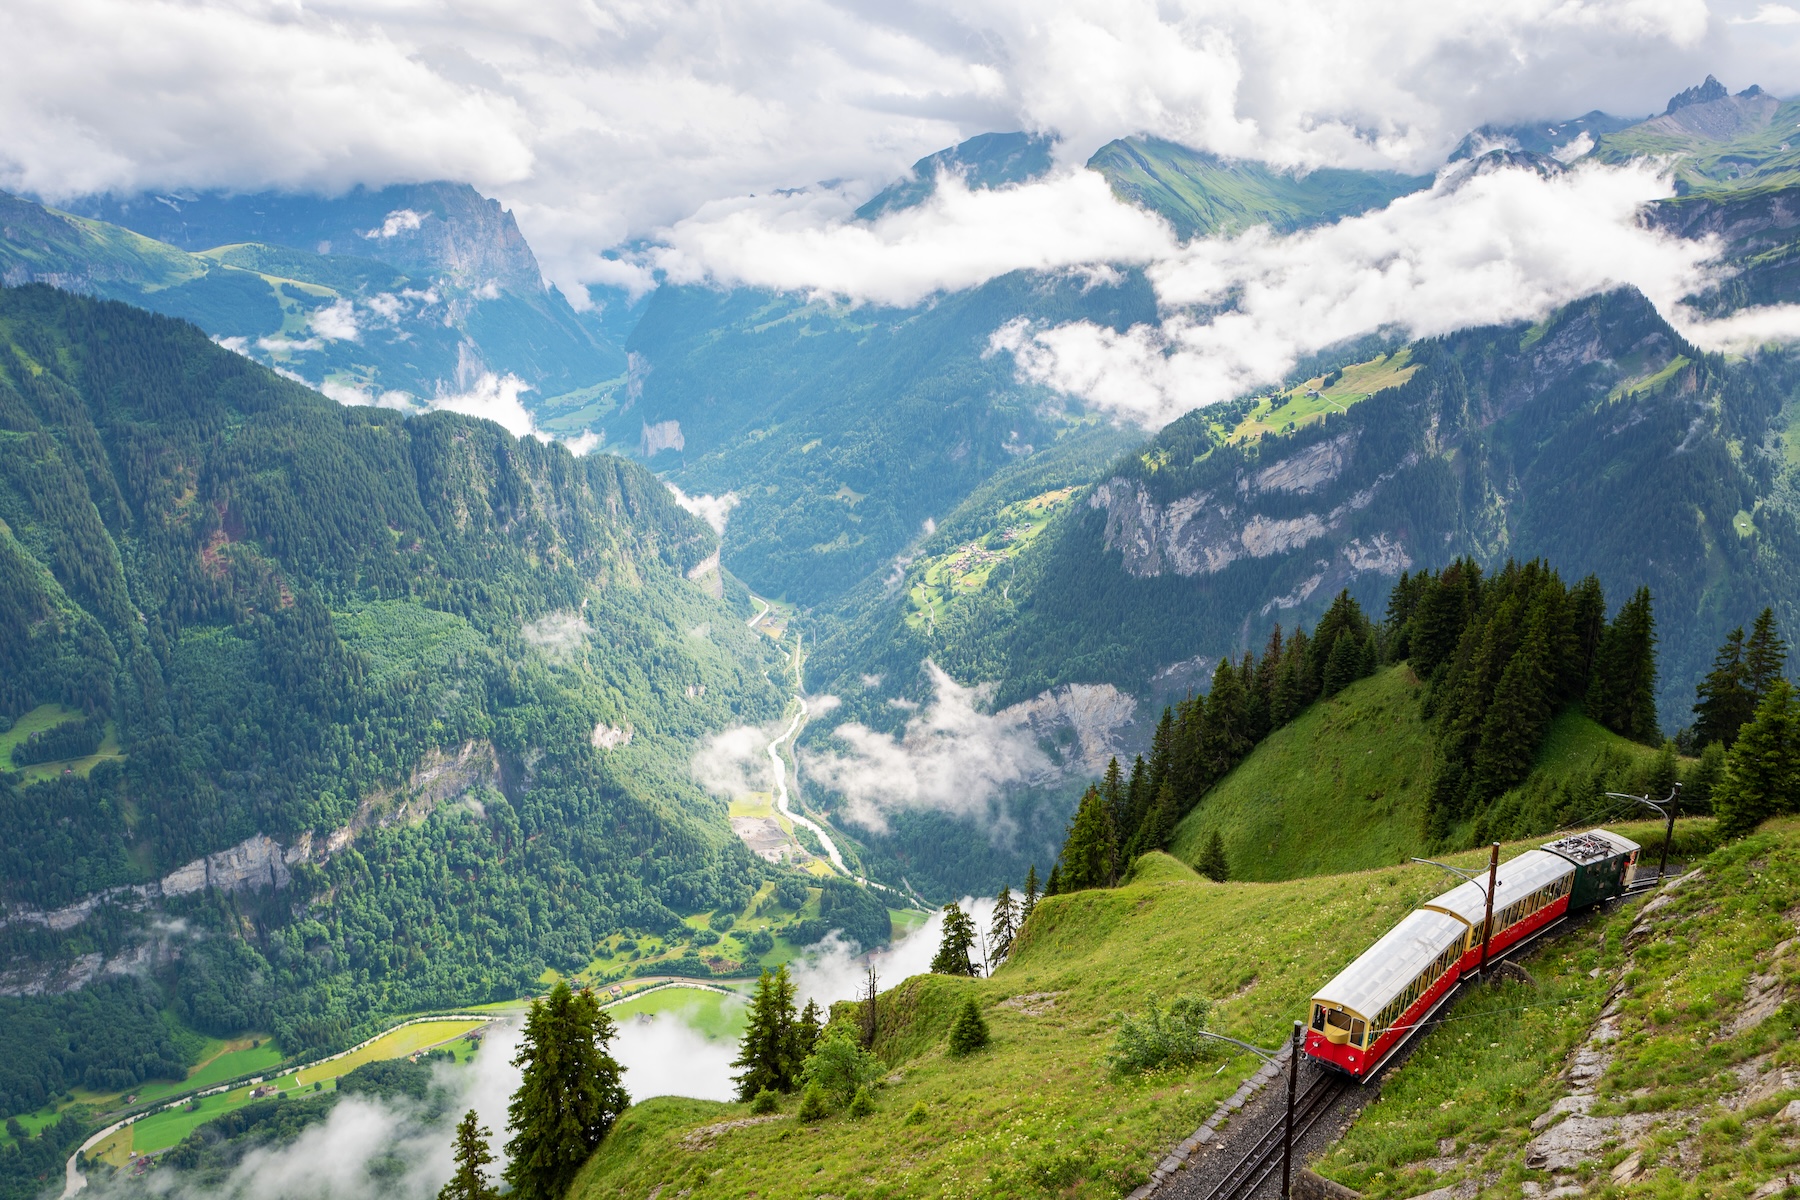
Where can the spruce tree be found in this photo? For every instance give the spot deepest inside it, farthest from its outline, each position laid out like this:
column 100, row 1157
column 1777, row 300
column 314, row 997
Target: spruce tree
column 1090, row 853
column 1622, row 696
column 1031, row 896
column 952, row 956
column 806, row 1034
column 1763, row 769
column 1005, row 926
column 1226, row 739
column 1517, row 719
column 1290, row 690
column 1212, row 862
column 470, row 1181
column 1342, row 665
column 1112, row 790
column 770, row 1051
column 1053, row 885
column 1764, row 655
column 1162, row 751
column 1137, row 800
column 1159, row 825
column 968, row 1032
column 1724, row 700
column 569, row 1093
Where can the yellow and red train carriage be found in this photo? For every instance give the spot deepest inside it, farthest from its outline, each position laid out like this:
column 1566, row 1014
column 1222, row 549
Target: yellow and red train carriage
column 1373, row 1005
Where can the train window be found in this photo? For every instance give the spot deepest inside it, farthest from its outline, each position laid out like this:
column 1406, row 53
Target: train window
column 1319, row 1018
column 1356, row 1033
column 1339, row 1020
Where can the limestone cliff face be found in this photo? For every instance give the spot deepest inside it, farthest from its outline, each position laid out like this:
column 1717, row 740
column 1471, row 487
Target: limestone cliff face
column 258, row 862
column 1099, row 716
column 1205, row 532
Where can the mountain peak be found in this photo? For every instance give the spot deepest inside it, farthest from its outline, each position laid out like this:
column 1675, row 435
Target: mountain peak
column 1712, row 89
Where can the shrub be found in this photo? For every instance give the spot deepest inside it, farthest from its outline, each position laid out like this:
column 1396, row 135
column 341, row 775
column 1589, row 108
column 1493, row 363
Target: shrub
column 861, row 1104
column 1163, row 1039
column 760, row 942
column 968, row 1033
column 812, row 1103
column 838, row 1066
column 766, row 1102
column 916, row 1115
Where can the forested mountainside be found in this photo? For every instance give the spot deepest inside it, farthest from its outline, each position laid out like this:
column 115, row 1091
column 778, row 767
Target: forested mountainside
column 421, row 289
column 1597, row 439
column 376, row 713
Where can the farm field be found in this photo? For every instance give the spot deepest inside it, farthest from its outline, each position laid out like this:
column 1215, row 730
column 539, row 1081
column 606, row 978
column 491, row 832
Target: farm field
column 1312, row 400
column 160, row 1130
column 968, row 567
column 718, row 1016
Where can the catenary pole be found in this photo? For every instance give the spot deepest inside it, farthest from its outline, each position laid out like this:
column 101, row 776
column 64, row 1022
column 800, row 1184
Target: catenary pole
column 1287, row 1132
column 1487, row 925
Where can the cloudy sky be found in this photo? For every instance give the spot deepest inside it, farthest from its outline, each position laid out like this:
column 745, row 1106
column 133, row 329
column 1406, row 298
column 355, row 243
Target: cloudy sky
column 601, row 122
column 639, row 140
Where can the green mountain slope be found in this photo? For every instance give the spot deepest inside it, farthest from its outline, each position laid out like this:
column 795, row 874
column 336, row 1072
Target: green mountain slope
column 1344, row 788
column 1202, row 194
column 1038, row 1113
column 386, row 648
column 1723, row 144
column 419, row 289
column 1597, row 440
column 989, row 160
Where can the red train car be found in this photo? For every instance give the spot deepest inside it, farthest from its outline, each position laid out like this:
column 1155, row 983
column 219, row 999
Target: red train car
column 1373, row 1005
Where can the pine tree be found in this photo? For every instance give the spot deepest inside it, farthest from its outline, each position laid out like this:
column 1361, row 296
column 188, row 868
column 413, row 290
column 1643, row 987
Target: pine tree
column 968, row 1032
column 1112, row 791
column 470, row 1182
column 1724, row 700
column 1763, row 769
column 1764, row 655
column 1212, row 862
column 1162, row 751
column 953, row 949
column 1226, row 739
column 1005, row 925
column 569, row 1094
column 1290, row 690
column 1031, row 896
column 1587, row 624
column 1090, row 853
column 1053, row 885
column 1137, row 801
column 770, row 1051
column 871, row 1009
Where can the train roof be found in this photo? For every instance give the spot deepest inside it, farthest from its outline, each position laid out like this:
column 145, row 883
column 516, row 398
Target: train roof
column 1593, row 846
column 1384, row 969
column 1519, row 877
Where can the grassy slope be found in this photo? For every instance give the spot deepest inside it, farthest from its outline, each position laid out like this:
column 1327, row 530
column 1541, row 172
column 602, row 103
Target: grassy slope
column 1343, row 788
column 1202, row 194
column 1038, row 1113
column 1483, row 1076
column 1759, row 159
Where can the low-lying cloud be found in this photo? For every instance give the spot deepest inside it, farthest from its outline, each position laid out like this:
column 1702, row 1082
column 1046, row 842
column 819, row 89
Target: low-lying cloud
column 558, row 635
column 952, row 758
column 714, row 510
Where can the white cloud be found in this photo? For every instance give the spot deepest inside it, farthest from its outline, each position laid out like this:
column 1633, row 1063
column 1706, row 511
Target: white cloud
column 735, row 762
column 714, row 510
column 401, row 220
column 557, row 634
column 494, row 398
column 336, row 322
column 1498, row 246
column 952, row 758
column 664, row 1055
column 1770, row 14
column 601, row 123
column 836, row 970
column 1745, row 329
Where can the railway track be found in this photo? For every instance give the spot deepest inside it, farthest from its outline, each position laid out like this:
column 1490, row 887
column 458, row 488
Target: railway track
column 1321, row 1091
column 1264, row 1157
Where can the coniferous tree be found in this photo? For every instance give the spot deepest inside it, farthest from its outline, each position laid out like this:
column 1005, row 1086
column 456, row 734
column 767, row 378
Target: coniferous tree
column 1212, row 862
column 1005, row 925
column 1444, row 608
column 1516, row 721
column 806, row 1033
column 1226, row 738
column 770, row 1051
column 1343, row 667
column 1290, row 683
column 1090, row 854
column 1724, row 700
column 871, row 1008
column 470, row 1181
column 1053, row 885
column 569, row 1094
column 1112, row 792
column 1256, row 702
column 1622, row 696
column 1765, row 654
column 1159, row 824
column 968, row 1032
column 1763, row 769
column 1031, row 896
column 1137, row 800
column 1162, row 750
column 958, row 939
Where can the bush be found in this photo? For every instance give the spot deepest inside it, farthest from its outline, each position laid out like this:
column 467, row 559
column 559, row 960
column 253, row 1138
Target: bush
column 861, row 1104
column 721, row 922
column 838, row 1066
column 968, row 1033
column 916, row 1115
column 812, row 1103
column 760, row 942
column 766, row 1102
column 1163, row 1039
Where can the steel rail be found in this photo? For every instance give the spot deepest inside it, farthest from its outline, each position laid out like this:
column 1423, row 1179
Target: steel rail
column 1249, row 1172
